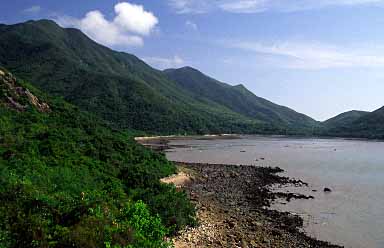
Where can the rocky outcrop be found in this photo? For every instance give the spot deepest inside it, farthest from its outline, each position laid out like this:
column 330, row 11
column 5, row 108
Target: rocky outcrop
column 17, row 97
column 232, row 211
column 41, row 106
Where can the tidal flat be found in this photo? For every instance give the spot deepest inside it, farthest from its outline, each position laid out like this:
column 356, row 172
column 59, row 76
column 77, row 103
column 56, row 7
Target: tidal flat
column 351, row 215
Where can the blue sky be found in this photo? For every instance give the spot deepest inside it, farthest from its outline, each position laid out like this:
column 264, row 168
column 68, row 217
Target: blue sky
column 319, row 57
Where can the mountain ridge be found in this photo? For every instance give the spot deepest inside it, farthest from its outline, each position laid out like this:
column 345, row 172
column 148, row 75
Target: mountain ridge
column 355, row 124
column 124, row 90
column 345, row 117
column 242, row 100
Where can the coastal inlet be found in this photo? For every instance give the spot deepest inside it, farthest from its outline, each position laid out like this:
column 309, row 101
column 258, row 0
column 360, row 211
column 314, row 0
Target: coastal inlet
column 233, row 206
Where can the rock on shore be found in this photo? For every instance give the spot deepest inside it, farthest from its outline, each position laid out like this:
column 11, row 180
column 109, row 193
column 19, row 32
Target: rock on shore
column 232, row 209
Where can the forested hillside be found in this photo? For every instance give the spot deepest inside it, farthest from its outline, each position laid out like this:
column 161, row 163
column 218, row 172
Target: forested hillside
column 238, row 99
column 68, row 180
column 128, row 93
column 356, row 124
column 344, row 119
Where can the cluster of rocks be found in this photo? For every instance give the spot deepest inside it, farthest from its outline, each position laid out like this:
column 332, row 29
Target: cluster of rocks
column 17, row 97
column 232, row 209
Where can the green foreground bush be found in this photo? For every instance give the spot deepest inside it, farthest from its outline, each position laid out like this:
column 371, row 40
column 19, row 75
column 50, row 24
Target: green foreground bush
column 67, row 180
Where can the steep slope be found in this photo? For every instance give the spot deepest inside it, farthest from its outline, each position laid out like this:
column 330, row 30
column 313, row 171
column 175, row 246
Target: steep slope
column 237, row 98
column 117, row 86
column 68, row 180
column 344, row 119
column 124, row 90
column 368, row 126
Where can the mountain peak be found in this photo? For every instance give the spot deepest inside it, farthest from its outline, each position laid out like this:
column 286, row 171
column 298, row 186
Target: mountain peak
column 344, row 119
column 236, row 98
column 183, row 69
column 130, row 94
column 187, row 68
column 42, row 22
column 240, row 86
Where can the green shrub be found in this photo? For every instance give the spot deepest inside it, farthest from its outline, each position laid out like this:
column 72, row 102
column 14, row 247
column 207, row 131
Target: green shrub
column 68, row 180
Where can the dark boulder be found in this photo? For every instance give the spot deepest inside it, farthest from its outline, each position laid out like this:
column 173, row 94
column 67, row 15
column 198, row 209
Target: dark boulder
column 327, row 190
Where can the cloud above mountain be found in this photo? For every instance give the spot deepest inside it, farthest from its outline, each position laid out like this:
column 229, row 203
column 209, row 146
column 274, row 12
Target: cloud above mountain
column 130, row 24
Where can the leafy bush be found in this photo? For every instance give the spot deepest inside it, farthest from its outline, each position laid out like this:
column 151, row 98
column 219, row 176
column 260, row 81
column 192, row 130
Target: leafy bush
column 148, row 230
column 68, row 180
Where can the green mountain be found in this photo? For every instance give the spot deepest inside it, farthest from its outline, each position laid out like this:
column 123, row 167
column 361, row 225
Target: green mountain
column 344, row 119
column 238, row 99
column 128, row 93
column 359, row 125
column 68, row 180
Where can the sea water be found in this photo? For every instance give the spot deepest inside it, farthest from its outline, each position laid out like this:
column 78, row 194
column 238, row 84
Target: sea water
column 351, row 215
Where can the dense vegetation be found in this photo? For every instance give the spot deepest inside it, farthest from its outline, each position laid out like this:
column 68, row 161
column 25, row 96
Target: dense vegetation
column 67, row 180
column 355, row 124
column 127, row 93
column 344, row 119
column 240, row 100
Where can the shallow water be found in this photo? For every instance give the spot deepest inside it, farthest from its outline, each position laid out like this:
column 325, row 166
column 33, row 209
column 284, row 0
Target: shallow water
column 351, row 215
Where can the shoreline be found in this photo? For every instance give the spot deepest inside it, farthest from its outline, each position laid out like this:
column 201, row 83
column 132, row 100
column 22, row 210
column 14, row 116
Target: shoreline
column 232, row 203
column 150, row 140
column 232, row 208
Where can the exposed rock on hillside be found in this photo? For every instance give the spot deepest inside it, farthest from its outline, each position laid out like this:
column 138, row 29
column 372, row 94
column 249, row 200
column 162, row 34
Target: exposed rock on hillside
column 17, row 97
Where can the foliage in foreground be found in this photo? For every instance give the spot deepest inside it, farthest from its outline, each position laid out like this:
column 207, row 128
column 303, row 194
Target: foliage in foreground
column 67, row 180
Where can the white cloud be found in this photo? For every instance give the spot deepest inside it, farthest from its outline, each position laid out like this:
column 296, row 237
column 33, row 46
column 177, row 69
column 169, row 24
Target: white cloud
column 245, row 6
column 127, row 28
column 33, row 9
column 190, row 6
column 191, row 25
column 255, row 6
column 313, row 55
column 164, row 63
column 134, row 18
